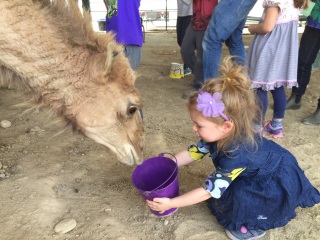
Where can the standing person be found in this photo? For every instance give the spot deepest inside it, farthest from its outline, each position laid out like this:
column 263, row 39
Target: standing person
column 309, row 48
column 226, row 25
column 256, row 185
column 273, row 57
column 191, row 49
column 184, row 12
column 123, row 18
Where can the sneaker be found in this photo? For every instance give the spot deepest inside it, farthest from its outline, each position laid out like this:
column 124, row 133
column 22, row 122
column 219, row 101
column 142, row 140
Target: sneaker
column 245, row 234
column 187, row 71
column 275, row 132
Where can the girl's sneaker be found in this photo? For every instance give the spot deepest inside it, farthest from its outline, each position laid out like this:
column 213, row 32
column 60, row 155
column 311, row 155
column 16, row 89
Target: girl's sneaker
column 245, row 234
column 273, row 129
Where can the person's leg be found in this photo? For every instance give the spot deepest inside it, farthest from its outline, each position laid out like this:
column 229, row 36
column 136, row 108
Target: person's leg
column 279, row 98
column 133, row 53
column 225, row 19
column 198, row 66
column 179, row 30
column 235, row 44
column 274, row 127
column 188, row 48
column 308, row 50
column 188, row 55
column 262, row 101
column 185, row 24
column 314, row 119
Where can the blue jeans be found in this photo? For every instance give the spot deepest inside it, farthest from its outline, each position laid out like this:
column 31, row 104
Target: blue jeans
column 308, row 50
column 133, row 53
column 226, row 25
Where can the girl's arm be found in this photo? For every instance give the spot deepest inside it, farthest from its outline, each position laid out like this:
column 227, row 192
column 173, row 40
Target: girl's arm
column 190, row 198
column 183, row 158
column 268, row 23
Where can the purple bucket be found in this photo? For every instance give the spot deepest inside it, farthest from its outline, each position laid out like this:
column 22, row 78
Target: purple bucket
column 157, row 177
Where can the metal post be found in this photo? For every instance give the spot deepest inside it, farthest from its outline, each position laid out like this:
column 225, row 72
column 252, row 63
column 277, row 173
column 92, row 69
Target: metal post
column 166, row 15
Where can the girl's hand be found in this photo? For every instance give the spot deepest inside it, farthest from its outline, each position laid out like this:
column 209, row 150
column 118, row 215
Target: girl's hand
column 160, row 204
column 250, row 29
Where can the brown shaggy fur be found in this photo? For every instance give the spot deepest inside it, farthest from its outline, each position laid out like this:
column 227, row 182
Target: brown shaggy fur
column 50, row 49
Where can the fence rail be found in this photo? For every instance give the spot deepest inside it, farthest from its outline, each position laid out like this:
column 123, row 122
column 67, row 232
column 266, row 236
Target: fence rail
column 165, row 19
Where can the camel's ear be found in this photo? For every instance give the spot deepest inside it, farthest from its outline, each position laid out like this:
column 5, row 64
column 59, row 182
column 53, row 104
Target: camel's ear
column 110, row 54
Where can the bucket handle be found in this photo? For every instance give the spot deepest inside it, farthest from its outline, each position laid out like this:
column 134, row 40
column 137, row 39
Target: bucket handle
column 176, row 169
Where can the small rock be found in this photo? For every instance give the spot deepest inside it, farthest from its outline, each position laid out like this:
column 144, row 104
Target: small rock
column 35, row 129
column 2, row 175
column 166, row 222
column 65, row 225
column 5, row 124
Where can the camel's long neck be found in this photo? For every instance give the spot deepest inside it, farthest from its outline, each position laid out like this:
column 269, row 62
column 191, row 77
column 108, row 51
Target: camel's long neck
column 33, row 48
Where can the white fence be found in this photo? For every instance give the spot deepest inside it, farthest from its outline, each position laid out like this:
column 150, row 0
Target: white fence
column 156, row 14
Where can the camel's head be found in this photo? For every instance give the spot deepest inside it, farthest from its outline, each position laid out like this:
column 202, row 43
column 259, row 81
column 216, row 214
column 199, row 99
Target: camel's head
column 108, row 106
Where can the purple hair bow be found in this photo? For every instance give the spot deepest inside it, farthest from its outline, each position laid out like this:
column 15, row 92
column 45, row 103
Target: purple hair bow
column 210, row 104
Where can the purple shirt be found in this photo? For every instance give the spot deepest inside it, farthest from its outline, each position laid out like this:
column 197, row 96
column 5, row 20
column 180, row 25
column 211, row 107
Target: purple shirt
column 123, row 18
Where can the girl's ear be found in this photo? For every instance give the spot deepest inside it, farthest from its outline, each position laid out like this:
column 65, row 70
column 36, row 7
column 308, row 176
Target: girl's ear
column 227, row 126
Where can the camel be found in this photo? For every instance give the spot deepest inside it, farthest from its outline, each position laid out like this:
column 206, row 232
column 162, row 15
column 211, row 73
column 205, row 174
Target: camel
column 49, row 48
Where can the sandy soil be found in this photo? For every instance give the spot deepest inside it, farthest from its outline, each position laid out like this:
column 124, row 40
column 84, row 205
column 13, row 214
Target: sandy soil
column 46, row 178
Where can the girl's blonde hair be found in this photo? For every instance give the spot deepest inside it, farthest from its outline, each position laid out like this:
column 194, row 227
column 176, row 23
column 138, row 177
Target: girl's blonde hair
column 240, row 103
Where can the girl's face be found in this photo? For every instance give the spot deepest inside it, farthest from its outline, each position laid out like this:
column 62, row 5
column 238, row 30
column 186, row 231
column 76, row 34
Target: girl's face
column 208, row 130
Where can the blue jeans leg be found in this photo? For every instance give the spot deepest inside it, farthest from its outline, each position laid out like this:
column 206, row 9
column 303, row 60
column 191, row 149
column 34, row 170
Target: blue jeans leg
column 133, row 53
column 235, row 44
column 227, row 19
column 308, row 50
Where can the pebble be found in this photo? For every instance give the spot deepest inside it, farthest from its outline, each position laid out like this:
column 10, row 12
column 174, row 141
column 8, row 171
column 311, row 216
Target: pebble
column 65, row 225
column 35, row 129
column 2, row 175
column 5, row 124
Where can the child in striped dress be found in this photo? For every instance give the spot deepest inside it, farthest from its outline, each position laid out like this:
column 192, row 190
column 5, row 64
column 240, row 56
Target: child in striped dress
column 273, row 57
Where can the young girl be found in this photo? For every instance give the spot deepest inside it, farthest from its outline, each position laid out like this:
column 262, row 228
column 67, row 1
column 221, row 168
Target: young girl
column 273, row 57
column 256, row 184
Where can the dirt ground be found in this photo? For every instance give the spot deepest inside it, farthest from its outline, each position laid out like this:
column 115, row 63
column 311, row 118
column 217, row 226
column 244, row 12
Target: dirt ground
column 46, row 178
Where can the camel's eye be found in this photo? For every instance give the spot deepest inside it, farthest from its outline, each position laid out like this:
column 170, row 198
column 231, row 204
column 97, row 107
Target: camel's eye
column 115, row 53
column 132, row 110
